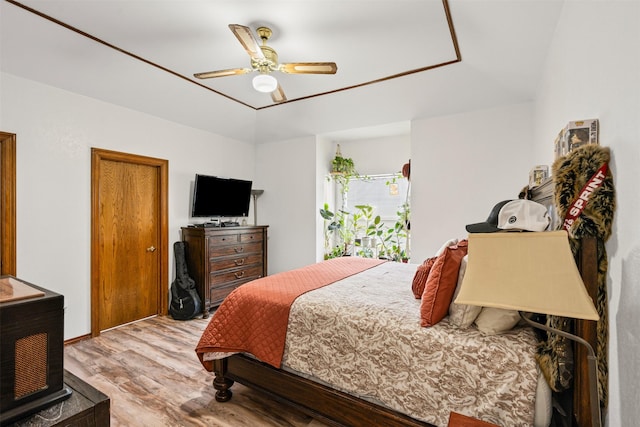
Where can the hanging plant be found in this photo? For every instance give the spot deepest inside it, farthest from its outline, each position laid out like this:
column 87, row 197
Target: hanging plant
column 343, row 165
column 342, row 169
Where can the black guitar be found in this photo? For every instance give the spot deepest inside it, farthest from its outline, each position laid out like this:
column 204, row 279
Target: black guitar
column 185, row 301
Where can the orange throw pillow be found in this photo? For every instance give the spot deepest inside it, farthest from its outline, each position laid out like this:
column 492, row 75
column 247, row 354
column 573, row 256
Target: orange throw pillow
column 420, row 278
column 441, row 284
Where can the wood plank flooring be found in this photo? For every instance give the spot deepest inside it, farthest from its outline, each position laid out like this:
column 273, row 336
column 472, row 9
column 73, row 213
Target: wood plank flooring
column 151, row 373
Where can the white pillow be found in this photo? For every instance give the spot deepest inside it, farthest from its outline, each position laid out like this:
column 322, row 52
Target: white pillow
column 496, row 320
column 544, row 402
column 462, row 315
column 446, row 244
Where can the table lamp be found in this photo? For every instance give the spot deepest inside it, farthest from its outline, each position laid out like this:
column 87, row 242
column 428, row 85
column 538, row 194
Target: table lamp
column 531, row 272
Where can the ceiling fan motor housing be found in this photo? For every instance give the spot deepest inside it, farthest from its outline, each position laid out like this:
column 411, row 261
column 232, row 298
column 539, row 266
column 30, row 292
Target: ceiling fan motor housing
column 270, row 61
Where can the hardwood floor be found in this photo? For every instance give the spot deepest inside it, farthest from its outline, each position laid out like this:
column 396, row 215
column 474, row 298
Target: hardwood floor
column 153, row 377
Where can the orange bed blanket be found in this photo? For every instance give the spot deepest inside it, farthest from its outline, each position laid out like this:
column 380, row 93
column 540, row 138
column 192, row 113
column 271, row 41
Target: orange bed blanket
column 254, row 317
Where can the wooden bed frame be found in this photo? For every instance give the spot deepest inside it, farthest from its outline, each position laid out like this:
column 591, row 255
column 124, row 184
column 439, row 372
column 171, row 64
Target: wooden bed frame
column 340, row 409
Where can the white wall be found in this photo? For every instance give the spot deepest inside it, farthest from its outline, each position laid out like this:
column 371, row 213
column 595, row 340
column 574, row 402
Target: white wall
column 378, row 155
column 593, row 71
column 286, row 172
column 461, row 166
column 325, row 191
column 55, row 133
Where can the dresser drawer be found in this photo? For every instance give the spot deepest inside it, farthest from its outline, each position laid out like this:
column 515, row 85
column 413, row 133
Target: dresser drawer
column 251, row 237
column 237, row 249
column 219, row 293
column 216, row 264
column 251, row 272
column 223, row 239
column 231, row 238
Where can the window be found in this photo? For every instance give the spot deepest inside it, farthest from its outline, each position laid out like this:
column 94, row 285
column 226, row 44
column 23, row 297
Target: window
column 386, row 194
column 358, row 233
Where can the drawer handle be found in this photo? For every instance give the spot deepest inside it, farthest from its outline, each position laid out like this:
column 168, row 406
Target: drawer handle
column 239, row 262
column 239, row 250
column 239, row 275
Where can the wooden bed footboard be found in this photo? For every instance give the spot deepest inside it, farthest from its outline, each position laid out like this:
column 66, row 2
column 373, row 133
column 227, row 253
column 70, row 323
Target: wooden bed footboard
column 319, row 401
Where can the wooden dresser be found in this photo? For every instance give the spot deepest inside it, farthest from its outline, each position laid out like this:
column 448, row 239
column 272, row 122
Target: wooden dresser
column 220, row 259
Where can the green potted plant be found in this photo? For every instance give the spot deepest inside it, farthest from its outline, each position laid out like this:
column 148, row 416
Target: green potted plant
column 342, row 165
column 331, row 225
column 340, row 230
column 342, row 169
column 361, row 220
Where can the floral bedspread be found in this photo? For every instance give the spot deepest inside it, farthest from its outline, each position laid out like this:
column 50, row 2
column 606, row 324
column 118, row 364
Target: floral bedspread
column 362, row 335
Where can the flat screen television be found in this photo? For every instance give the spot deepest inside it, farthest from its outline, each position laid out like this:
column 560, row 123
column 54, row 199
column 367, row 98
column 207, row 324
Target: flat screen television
column 220, row 197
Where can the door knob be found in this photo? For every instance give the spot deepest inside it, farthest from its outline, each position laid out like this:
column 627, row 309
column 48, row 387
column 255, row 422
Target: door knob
column 151, row 249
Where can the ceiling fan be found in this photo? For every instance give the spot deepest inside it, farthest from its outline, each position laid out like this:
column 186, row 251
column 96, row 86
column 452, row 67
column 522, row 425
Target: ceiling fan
column 264, row 60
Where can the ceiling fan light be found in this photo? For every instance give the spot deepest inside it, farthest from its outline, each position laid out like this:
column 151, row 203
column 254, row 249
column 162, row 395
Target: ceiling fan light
column 265, row 83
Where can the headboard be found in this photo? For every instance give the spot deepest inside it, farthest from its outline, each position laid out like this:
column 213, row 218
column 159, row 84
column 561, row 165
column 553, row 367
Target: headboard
column 586, row 329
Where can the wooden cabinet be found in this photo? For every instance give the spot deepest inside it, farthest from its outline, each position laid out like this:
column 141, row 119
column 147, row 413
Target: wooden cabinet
column 220, row 259
column 86, row 407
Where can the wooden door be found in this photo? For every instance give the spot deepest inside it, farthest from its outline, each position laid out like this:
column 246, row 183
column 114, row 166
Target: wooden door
column 129, row 238
column 7, row 203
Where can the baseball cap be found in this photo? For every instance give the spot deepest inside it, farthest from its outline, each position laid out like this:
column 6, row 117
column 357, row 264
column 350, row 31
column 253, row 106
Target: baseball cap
column 519, row 214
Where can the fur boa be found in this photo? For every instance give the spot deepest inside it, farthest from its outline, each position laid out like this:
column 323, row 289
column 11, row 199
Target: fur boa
column 570, row 174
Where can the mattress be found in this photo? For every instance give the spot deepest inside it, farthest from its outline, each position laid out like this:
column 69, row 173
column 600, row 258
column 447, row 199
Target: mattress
column 362, row 335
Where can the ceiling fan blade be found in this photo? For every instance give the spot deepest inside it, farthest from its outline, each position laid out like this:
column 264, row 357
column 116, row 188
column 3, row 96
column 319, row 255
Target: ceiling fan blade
column 248, row 40
column 222, row 73
column 278, row 95
column 309, row 68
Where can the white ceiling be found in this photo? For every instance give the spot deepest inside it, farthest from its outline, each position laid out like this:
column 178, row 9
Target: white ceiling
column 397, row 59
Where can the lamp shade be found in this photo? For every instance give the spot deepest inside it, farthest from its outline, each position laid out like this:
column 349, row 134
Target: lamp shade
column 265, row 83
column 528, row 271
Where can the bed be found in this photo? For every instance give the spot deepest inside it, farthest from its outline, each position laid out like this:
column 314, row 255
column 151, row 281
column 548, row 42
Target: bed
column 334, row 378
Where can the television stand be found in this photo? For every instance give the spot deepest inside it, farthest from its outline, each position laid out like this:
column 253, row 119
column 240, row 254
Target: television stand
column 230, row 224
